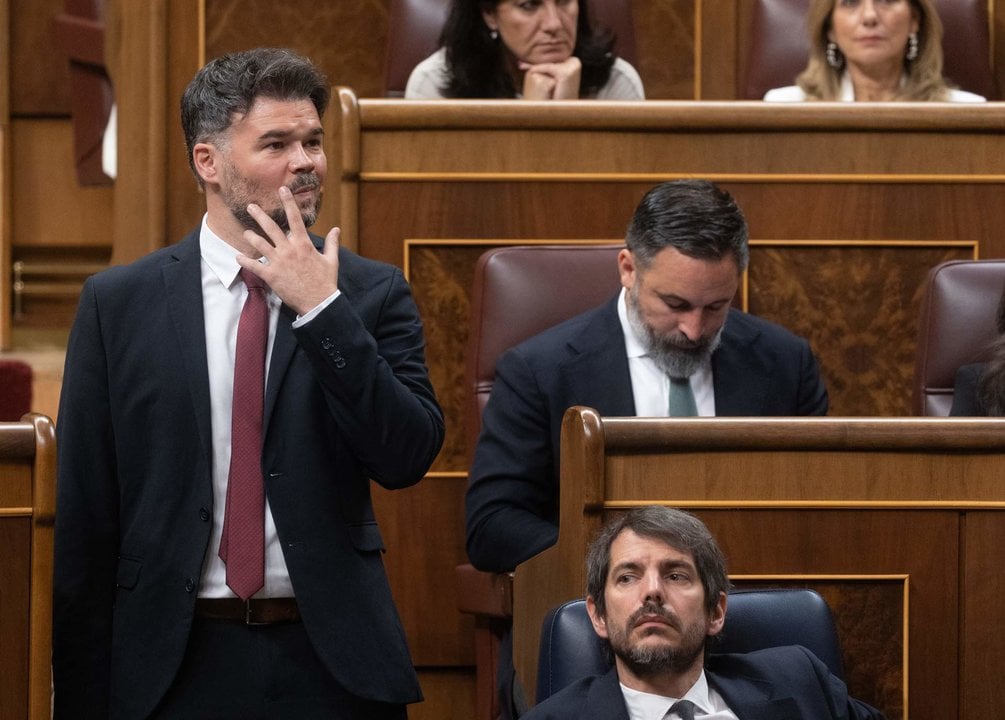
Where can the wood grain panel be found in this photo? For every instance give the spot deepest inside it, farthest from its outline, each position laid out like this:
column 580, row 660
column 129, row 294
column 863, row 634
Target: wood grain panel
column 425, row 543
column 870, row 614
column 441, row 278
column 449, row 695
column 858, row 306
column 982, row 586
column 15, row 538
column 665, row 39
column 346, row 40
column 41, row 85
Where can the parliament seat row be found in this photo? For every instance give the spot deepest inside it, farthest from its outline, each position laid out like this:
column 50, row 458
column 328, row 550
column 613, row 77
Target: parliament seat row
column 777, row 46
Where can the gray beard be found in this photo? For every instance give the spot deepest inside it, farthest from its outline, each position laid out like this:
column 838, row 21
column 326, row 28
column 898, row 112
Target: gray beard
column 672, row 353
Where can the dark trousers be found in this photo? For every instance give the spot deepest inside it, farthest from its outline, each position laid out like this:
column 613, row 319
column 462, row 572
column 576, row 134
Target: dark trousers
column 234, row 671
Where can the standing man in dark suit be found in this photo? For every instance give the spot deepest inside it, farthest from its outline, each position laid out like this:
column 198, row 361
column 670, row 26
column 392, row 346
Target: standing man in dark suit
column 656, row 593
column 169, row 601
column 669, row 335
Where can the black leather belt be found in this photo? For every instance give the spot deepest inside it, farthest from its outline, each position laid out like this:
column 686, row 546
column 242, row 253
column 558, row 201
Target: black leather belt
column 256, row 611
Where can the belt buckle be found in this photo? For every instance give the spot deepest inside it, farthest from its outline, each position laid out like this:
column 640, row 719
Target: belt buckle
column 247, row 615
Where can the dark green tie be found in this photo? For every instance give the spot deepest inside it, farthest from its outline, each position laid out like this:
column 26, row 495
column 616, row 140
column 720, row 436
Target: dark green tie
column 681, row 398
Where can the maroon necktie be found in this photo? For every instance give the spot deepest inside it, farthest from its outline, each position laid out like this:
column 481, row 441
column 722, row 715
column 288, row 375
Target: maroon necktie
column 242, row 546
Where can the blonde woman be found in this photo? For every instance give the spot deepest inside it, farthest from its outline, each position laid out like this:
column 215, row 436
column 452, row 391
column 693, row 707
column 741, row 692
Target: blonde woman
column 873, row 50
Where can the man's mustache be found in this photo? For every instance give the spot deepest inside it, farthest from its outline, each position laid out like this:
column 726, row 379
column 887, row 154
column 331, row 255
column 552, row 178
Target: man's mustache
column 651, row 610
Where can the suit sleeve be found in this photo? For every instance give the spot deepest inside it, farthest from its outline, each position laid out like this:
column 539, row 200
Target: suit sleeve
column 842, row 704
column 965, row 400
column 512, row 492
column 86, row 530
column 374, row 377
column 812, row 392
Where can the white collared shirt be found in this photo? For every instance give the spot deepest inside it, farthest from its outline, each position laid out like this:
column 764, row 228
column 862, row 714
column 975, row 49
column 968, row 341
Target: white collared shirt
column 650, row 385
column 223, row 296
column 709, row 704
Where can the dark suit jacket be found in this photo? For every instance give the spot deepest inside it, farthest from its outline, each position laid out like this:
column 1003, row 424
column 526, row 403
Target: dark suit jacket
column 759, row 369
column 783, row 683
column 966, row 401
column 348, row 398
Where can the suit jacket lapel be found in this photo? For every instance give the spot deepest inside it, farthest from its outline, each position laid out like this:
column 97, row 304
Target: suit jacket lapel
column 739, row 376
column 598, row 371
column 283, row 347
column 753, row 698
column 605, row 701
column 282, row 352
column 182, row 277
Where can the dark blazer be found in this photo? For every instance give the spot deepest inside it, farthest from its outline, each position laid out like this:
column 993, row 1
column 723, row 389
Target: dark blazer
column 759, row 369
column 783, row 683
column 348, row 399
column 966, row 401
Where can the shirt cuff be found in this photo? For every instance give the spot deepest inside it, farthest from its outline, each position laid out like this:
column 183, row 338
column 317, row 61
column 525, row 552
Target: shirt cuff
column 304, row 319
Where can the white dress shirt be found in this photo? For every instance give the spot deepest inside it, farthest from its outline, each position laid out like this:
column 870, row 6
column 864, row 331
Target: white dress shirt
column 223, row 295
column 709, row 704
column 650, row 385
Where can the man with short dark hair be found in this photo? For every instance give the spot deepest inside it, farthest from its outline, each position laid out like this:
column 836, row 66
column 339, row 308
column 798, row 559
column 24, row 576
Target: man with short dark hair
column 226, row 402
column 668, row 344
column 656, row 592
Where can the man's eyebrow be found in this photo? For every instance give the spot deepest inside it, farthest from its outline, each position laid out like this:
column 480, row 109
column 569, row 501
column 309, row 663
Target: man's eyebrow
column 280, row 133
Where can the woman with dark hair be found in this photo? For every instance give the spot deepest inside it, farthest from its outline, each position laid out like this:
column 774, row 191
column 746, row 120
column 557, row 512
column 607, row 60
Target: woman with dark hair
column 879, row 50
column 531, row 49
column 979, row 389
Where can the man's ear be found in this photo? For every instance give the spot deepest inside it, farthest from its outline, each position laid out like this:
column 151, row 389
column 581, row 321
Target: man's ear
column 717, row 617
column 599, row 623
column 207, row 161
column 626, row 268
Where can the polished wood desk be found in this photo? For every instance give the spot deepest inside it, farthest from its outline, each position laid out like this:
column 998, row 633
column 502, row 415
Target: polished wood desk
column 898, row 522
column 27, row 510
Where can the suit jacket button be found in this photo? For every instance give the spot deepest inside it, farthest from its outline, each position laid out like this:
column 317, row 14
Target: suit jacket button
column 327, row 344
column 339, row 360
column 189, row 585
column 204, row 514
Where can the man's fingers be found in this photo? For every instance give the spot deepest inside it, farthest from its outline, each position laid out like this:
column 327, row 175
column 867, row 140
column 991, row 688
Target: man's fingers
column 331, row 242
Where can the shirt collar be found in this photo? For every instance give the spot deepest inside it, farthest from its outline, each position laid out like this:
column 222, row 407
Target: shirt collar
column 648, row 706
column 219, row 255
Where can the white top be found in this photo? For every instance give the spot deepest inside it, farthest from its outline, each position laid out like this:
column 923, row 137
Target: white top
column 430, row 76
column 650, row 385
column 794, row 93
column 709, row 704
column 223, row 295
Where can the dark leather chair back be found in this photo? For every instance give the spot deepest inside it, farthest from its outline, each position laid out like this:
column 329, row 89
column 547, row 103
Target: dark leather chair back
column 15, row 389
column 779, row 46
column 414, row 28
column 521, row 290
column 755, row 619
column 956, row 327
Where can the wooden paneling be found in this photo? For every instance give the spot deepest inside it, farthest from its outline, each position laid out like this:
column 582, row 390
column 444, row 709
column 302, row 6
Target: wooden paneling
column 15, row 584
column 27, row 507
column 41, row 85
column 847, row 501
column 346, row 40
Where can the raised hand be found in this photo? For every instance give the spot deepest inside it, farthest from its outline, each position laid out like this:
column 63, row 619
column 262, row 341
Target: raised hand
column 300, row 275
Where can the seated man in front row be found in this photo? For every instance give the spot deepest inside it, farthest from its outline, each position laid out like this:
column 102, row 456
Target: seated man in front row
column 668, row 344
column 656, row 591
